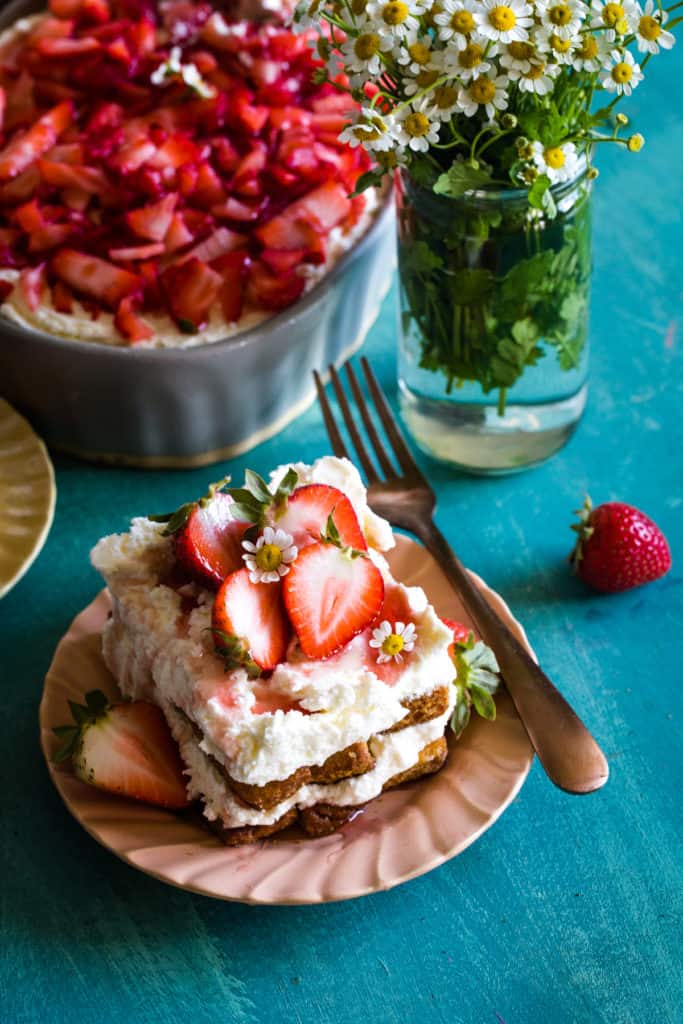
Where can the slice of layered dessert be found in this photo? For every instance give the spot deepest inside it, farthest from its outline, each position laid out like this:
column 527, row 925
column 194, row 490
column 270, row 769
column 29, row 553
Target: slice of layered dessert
column 298, row 677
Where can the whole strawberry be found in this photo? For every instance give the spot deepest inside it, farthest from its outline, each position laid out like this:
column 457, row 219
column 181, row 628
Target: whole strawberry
column 618, row 548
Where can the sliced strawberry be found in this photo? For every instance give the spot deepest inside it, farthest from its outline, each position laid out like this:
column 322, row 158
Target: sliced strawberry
column 3, row 104
column 154, row 220
column 67, row 175
column 95, row 277
column 233, row 209
column 126, row 749
column 6, row 289
column 281, row 261
column 308, row 509
column 330, row 597
column 133, row 155
column 252, row 614
column 177, row 150
column 62, row 299
column 209, row 544
column 178, row 234
column 232, row 267
column 190, row 291
column 50, row 236
column 32, row 285
column 273, row 291
column 208, row 189
column 63, row 48
column 324, row 207
column 221, row 242
column 130, row 324
column 29, row 145
column 137, row 252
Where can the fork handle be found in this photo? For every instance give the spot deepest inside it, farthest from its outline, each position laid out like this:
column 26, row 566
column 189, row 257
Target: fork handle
column 569, row 754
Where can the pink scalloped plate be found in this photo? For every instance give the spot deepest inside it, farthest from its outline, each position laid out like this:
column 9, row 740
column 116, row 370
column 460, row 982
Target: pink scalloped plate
column 404, row 833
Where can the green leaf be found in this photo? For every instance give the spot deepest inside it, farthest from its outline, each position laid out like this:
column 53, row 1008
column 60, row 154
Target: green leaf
column 257, row 485
column 461, row 713
column 483, row 702
column 370, row 179
column 331, row 534
column 422, row 260
column 287, row 484
column 461, row 178
column 538, row 190
column 471, row 287
column 96, row 702
column 179, row 518
column 422, row 171
column 235, row 654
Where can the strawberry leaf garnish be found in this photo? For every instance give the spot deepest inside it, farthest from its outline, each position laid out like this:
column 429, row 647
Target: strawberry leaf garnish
column 96, row 705
column 176, row 520
column 331, row 535
column 478, row 678
column 234, row 653
column 255, row 499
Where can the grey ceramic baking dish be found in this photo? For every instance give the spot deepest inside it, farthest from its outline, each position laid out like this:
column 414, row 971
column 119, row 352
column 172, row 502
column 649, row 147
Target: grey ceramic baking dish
column 190, row 407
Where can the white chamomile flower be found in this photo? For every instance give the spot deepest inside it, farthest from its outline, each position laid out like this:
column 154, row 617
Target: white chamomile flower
column 425, row 77
column 270, row 557
column 443, row 101
column 562, row 17
column 456, row 21
column 489, row 93
column 306, row 16
column 621, row 18
column 649, row 32
column 392, row 642
column 560, row 163
column 516, row 58
column 539, row 78
column 622, row 75
column 468, row 63
column 552, row 45
column 414, row 129
column 368, row 129
column 416, row 55
column 174, row 69
column 592, row 53
column 503, row 22
column 362, row 54
column 393, row 20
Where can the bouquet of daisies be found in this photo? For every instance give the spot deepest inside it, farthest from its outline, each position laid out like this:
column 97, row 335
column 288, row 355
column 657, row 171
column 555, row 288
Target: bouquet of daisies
column 479, row 93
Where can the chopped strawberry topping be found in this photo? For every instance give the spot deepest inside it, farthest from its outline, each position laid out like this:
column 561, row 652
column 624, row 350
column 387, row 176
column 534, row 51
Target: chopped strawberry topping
column 121, row 183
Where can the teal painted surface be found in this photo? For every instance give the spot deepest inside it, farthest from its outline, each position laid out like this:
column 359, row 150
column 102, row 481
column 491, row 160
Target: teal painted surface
column 569, row 909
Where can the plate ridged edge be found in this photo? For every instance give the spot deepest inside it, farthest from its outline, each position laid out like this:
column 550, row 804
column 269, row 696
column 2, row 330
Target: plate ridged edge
column 26, row 474
column 441, row 815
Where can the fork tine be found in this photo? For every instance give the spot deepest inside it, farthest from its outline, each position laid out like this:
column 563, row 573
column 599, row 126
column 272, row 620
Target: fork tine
column 377, row 445
column 359, row 445
column 338, row 446
column 401, row 450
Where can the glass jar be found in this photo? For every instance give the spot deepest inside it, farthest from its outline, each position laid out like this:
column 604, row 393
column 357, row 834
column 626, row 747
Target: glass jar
column 494, row 295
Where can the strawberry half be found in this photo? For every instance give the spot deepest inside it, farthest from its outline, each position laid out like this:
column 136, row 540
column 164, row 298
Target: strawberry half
column 307, row 511
column 331, row 594
column 125, row 749
column 249, row 623
column 208, row 543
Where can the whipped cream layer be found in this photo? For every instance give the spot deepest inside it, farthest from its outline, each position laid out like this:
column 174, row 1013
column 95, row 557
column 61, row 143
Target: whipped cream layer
column 262, row 730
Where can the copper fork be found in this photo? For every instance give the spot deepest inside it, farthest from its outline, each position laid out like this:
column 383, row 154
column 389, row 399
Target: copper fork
column 569, row 754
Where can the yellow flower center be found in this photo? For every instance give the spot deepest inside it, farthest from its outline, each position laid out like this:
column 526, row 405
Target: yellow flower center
column 462, row 21
column 554, row 157
column 445, row 96
column 502, row 18
column 535, row 71
column 268, row 557
column 472, row 55
column 426, row 78
column 649, row 28
column 622, row 72
column 560, row 45
column 612, row 13
column 419, row 53
column 560, row 14
column 416, row 125
column 392, row 644
column 395, row 13
column 366, row 46
column 368, row 131
column 520, row 51
column 589, row 48
column 482, row 90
